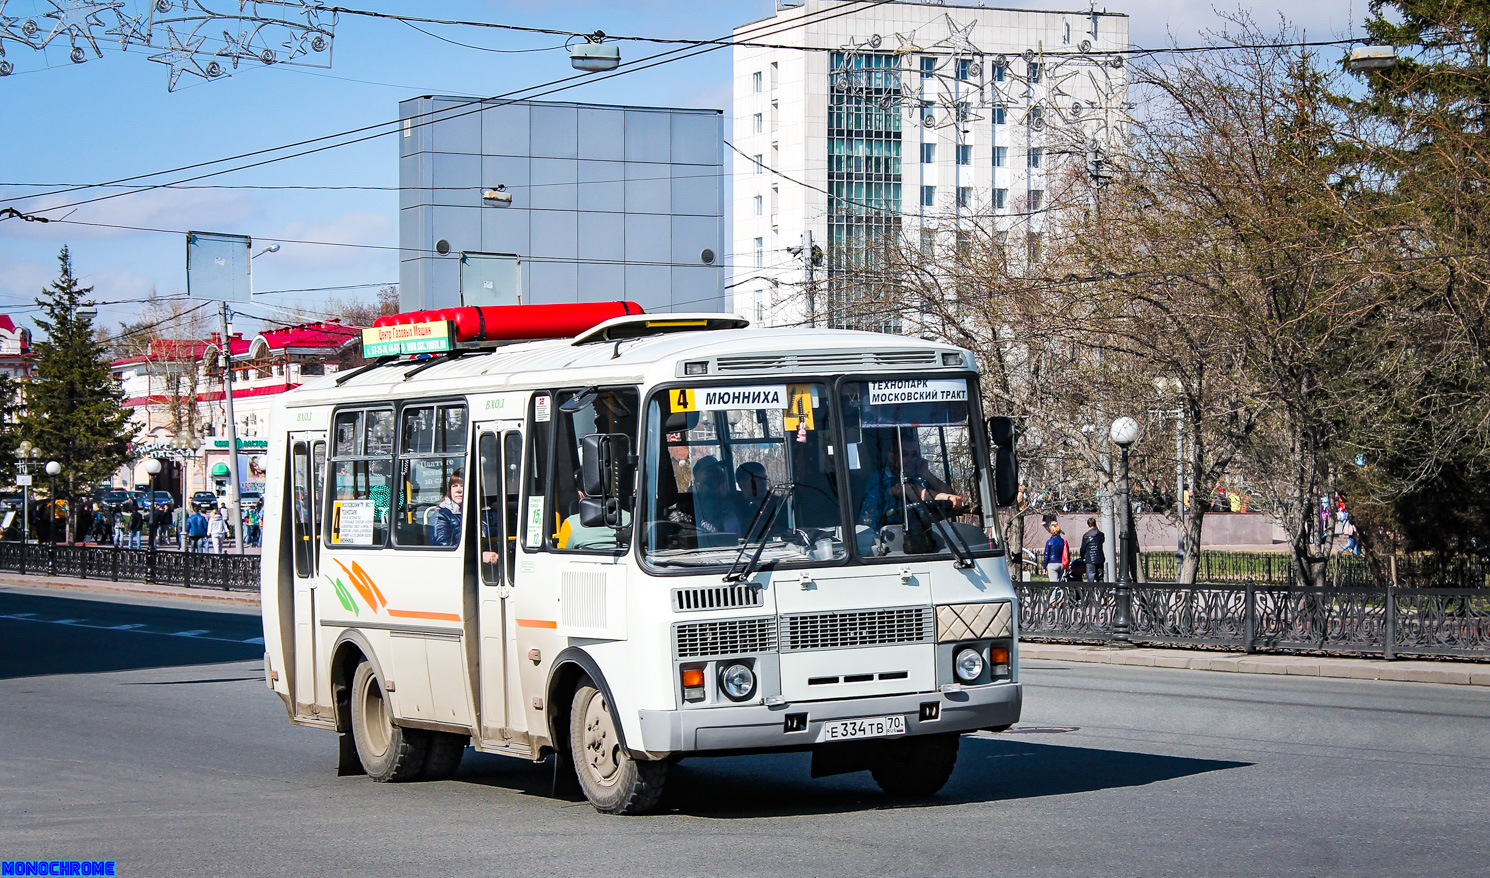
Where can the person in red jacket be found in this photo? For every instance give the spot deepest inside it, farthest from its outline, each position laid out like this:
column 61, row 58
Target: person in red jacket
column 1057, row 554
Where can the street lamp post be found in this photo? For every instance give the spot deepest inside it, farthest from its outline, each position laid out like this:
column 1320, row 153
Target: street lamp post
column 53, row 468
column 1124, row 433
column 152, row 468
column 27, row 456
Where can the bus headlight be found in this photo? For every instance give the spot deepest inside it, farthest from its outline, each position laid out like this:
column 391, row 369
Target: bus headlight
column 738, row 681
column 968, row 665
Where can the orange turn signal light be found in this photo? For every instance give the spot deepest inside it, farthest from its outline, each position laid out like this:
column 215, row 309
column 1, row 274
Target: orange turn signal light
column 999, row 655
column 693, row 678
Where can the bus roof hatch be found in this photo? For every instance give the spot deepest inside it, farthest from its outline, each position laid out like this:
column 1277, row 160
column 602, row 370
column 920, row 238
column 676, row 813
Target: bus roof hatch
column 643, row 325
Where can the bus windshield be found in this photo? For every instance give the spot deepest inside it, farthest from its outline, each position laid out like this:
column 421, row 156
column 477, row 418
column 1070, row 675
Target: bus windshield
column 731, row 464
column 744, row 468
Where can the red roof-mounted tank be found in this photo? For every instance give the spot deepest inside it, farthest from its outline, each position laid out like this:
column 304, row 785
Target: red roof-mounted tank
column 518, row 322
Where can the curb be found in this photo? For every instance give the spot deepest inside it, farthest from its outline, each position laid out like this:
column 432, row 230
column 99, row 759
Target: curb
column 133, row 589
column 1455, row 673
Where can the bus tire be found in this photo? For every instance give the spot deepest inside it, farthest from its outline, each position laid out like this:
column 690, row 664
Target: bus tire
column 612, row 781
column 442, row 755
column 918, row 766
column 389, row 753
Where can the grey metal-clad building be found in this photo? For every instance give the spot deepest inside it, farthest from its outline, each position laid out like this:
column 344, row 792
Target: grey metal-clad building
column 606, row 203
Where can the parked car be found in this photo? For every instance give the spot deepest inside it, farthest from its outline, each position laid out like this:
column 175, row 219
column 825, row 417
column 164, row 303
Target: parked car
column 251, row 498
column 113, row 499
column 204, row 501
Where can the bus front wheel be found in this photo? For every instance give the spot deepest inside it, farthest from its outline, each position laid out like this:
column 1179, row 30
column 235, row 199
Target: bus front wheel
column 389, row 753
column 613, row 781
column 918, row 766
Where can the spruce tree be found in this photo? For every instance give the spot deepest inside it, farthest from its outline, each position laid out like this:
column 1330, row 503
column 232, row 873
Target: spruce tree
column 74, row 411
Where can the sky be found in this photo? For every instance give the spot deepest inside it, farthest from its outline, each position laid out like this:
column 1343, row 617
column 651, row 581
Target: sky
column 72, row 124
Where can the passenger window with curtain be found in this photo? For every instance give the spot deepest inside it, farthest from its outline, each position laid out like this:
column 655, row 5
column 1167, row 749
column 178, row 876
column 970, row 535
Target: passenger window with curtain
column 361, row 476
column 432, row 475
column 580, row 414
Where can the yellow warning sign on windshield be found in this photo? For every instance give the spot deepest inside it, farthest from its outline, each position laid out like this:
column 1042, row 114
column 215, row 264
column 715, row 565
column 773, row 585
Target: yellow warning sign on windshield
column 682, row 399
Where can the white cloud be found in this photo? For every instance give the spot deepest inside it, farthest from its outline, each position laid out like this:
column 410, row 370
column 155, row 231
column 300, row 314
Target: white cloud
column 353, row 227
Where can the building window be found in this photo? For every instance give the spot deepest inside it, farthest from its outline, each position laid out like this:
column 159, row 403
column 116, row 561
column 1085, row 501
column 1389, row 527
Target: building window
column 1037, row 199
column 760, row 252
column 759, row 122
column 928, row 68
column 928, row 196
column 760, row 306
column 760, row 205
column 964, row 154
column 1037, row 71
column 1000, row 198
column 1000, row 156
column 1036, row 154
column 964, row 245
column 760, row 163
column 928, row 153
column 964, row 196
column 928, row 242
column 1036, row 117
column 964, row 69
column 998, row 115
column 755, row 82
column 998, row 72
column 1032, row 245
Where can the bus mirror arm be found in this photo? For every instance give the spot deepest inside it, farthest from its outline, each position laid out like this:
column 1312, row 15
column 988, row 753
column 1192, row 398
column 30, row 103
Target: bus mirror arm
column 1003, row 434
column 607, row 470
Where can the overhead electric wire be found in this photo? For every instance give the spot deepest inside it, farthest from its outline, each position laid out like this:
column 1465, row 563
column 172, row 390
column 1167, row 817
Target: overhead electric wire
column 443, row 114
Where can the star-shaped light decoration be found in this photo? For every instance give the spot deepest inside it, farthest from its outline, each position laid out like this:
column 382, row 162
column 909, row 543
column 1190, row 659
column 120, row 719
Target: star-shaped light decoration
column 907, row 44
column 959, row 39
column 76, row 20
column 130, row 30
column 181, row 56
column 235, row 47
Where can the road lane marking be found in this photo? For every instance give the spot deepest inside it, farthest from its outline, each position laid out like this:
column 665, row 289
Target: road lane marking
column 201, row 634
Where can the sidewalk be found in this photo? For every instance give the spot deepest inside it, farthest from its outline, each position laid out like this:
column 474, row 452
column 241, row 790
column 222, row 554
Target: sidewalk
column 1450, row 672
column 81, row 588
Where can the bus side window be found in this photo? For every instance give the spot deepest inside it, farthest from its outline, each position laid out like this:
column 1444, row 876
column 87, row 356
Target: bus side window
column 300, row 498
column 512, row 456
column 318, row 488
column 537, row 524
column 491, row 502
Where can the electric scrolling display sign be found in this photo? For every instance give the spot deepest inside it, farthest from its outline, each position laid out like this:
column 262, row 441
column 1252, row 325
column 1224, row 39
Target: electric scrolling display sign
column 410, row 338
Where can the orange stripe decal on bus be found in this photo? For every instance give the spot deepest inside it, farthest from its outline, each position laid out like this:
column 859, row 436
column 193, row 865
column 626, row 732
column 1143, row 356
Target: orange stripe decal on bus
column 420, row 614
column 357, row 569
column 357, row 584
column 536, row 623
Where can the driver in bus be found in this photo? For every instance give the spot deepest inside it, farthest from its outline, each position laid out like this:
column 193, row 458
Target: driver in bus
column 900, row 470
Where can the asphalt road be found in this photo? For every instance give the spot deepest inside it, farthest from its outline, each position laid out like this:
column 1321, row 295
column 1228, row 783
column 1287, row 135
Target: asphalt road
column 158, row 746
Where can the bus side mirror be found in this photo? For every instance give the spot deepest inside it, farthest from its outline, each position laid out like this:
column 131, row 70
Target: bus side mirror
column 606, row 473
column 1003, row 435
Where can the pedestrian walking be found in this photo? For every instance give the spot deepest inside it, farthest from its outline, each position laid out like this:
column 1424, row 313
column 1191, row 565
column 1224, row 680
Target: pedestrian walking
column 1057, row 554
column 217, row 532
column 1352, row 538
column 1092, row 553
column 136, row 524
column 196, row 530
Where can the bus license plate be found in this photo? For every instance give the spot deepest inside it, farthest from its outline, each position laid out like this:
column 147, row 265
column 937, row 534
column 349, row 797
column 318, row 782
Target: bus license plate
column 868, row 727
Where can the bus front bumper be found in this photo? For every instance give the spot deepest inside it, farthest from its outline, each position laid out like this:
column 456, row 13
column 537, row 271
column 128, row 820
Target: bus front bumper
column 759, row 726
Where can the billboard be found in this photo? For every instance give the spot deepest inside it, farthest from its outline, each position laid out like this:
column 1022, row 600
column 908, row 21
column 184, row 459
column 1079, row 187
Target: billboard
column 218, row 266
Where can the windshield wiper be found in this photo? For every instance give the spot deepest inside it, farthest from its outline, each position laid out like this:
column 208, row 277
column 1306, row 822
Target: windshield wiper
column 953, row 539
column 756, row 536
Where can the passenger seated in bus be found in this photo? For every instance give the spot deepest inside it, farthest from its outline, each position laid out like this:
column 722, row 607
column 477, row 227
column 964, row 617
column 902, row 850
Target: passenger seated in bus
column 446, row 530
column 902, row 468
column 754, row 484
column 716, row 510
column 574, row 534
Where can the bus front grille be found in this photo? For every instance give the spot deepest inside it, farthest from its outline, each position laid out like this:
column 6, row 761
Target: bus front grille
column 858, row 628
column 724, row 637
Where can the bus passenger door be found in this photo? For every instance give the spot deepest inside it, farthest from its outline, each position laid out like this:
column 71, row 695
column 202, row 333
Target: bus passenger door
column 307, row 468
column 499, row 468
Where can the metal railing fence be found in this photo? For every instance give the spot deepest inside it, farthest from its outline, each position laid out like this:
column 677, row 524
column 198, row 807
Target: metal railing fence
column 1276, row 568
column 190, row 569
column 1252, row 617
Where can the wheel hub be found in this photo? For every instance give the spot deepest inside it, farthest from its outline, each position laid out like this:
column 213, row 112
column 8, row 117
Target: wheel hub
column 602, row 749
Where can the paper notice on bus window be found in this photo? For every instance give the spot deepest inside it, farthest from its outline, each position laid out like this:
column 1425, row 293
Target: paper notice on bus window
column 917, row 390
column 352, row 522
column 541, row 408
column 799, row 409
column 535, row 522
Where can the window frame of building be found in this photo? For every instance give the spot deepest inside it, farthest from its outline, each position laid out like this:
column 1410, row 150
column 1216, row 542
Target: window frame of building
column 964, row 196
column 760, row 162
column 1035, row 157
column 964, row 153
column 1000, row 199
column 756, row 82
column 759, row 122
column 928, row 67
column 760, row 205
column 1037, row 200
column 760, row 252
column 1000, row 116
column 1001, row 156
column 928, row 196
column 928, row 153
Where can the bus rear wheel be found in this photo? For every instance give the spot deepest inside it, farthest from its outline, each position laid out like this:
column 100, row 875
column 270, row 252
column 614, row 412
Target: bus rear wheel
column 612, row 781
column 387, row 752
column 918, row 766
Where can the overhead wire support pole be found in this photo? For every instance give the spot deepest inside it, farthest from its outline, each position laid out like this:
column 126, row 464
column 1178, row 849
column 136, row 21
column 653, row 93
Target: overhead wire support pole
column 227, row 394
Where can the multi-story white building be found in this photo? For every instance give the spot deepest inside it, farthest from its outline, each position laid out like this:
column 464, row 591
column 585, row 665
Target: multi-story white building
column 918, row 119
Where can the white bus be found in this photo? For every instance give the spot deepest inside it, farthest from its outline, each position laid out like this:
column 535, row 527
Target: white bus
column 653, row 538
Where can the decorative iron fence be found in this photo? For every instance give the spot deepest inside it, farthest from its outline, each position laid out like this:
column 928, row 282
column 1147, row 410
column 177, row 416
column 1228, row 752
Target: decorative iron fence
column 1248, row 617
column 230, row 572
column 1350, row 571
